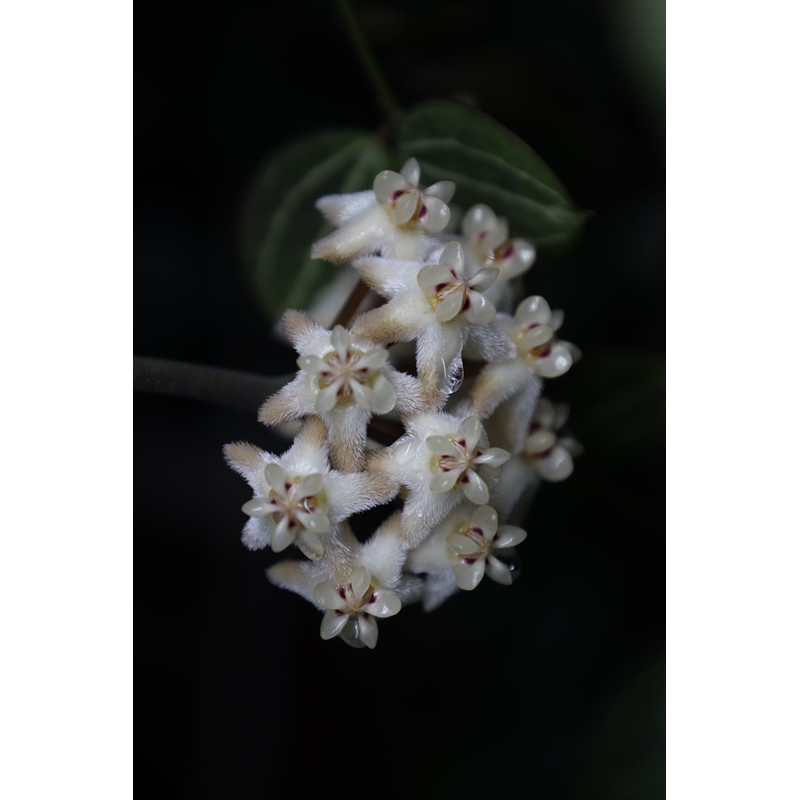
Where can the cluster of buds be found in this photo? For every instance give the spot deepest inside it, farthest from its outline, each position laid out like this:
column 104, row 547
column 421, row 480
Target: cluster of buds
column 429, row 401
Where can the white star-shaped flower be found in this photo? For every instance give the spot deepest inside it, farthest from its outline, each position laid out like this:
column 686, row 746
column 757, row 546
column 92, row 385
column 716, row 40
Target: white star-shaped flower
column 487, row 240
column 298, row 499
column 545, row 454
column 397, row 218
column 442, row 461
column 539, row 354
column 354, row 583
column 344, row 379
column 439, row 306
column 464, row 546
column 352, row 607
column 476, row 548
column 549, row 454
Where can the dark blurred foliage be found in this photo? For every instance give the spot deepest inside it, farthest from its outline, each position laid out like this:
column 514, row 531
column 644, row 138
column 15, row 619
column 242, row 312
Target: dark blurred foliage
column 552, row 688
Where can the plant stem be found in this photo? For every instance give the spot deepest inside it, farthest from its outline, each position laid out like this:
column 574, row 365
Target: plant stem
column 242, row 391
column 358, row 293
column 372, row 71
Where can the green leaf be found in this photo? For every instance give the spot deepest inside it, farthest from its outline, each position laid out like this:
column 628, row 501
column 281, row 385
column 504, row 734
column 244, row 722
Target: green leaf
column 491, row 165
column 280, row 221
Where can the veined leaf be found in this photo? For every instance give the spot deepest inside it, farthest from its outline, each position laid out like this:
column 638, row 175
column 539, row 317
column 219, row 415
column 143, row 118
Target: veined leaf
column 280, row 221
column 491, row 165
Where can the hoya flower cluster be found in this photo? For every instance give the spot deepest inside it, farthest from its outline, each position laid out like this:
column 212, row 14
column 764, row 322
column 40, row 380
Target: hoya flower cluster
column 428, row 402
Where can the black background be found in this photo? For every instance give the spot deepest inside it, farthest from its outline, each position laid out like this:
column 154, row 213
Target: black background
column 554, row 685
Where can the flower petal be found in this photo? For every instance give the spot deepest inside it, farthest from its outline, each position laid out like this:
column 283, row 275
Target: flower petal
column 556, row 363
column 480, row 311
column 386, row 183
column 494, row 457
column 367, row 631
column 462, row 545
column 539, row 442
column 405, row 208
column 431, row 276
column 373, row 359
column 485, row 518
column 340, row 339
column 484, row 279
column 283, row 535
column 312, row 364
column 360, row 581
column 470, row 431
column 316, row 521
column 386, row 604
column 468, row 576
column 383, row 395
column 310, row 544
column 332, row 624
column 309, row 485
column 532, row 309
column 276, row 478
column 450, row 307
column 326, row 594
column 444, row 190
column 545, row 413
column 444, row 481
column 361, row 394
column 436, row 215
column 327, row 398
column 556, row 466
column 509, row 535
column 498, row 571
column 258, row 507
column 515, row 259
column 475, row 488
column 411, row 172
column 536, row 337
column 478, row 218
column 441, row 446
column 453, row 257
